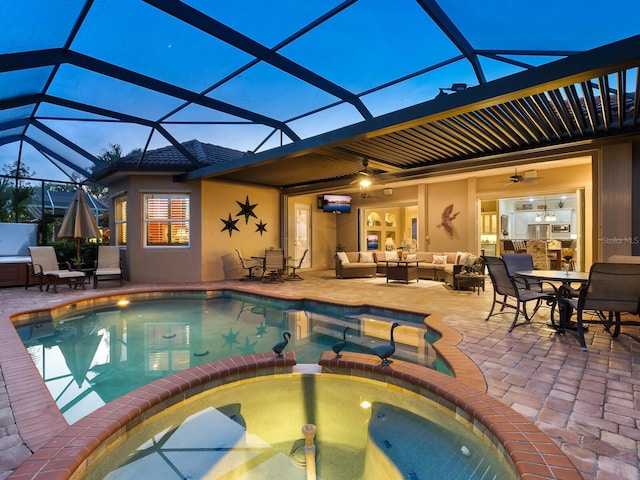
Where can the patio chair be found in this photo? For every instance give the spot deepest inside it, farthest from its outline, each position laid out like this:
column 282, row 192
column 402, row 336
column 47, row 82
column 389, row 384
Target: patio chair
column 515, row 293
column 613, row 289
column 295, row 266
column 522, row 262
column 46, row 268
column 250, row 265
column 108, row 265
column 273, row 265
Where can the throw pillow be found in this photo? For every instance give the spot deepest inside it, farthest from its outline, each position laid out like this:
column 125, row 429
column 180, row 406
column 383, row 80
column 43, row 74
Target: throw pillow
column 463, row 258
column 366, row 257
column 343, row 257
column 470, row 260
column 391, row 256
column 412, row 257
column 439, row 259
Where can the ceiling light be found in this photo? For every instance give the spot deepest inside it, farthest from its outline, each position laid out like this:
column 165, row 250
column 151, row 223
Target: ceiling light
column 547, row 216
column 365, row 182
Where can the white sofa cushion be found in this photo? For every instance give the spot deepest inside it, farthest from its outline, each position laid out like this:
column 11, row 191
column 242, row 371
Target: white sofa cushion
column 343, row 257
column 366, row 257
column 439, row 259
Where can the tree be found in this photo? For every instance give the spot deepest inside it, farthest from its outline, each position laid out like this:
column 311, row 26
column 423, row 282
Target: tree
column 15, row 195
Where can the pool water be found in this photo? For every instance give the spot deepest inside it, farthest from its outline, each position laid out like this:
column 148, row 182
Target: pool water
column 253, row 430
column 90, row 356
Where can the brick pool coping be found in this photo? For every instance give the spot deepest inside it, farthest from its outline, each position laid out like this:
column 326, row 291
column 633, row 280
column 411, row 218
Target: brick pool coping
column 71, row 452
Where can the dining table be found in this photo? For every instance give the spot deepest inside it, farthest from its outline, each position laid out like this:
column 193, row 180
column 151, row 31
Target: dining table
column 566, row 278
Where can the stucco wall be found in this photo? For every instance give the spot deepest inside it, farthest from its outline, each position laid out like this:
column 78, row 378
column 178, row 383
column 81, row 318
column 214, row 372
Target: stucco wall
column 157, row 264
column 219, row 260
column 210, row 247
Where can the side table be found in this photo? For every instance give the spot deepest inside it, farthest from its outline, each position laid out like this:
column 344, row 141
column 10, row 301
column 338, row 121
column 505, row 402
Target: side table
column 475, row 280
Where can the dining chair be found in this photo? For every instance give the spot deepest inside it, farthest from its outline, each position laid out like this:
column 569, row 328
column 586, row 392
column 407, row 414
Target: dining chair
column 613, row 290
column 554, row 252
column 538, row 250
column 521, row 262
column 519, row 246
column 273, row 265
column 250, row 265
column 568, row 256
column 513, row 292
column 295, row 266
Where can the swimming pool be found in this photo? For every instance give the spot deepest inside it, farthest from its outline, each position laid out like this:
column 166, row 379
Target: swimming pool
column 253, row 430
column 91, row 353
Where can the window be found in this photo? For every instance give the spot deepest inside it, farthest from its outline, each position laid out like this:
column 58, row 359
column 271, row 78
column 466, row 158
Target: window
column 121, row 220
column 166, row 218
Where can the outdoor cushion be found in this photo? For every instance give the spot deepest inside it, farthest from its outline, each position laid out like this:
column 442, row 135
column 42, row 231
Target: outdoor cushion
column 343, row 257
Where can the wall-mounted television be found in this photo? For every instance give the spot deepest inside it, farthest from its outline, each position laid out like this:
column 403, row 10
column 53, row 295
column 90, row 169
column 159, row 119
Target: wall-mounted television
column 335, row 203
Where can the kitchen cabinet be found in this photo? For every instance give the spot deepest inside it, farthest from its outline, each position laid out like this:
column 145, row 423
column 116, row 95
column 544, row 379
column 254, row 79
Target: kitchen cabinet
column 489, row 223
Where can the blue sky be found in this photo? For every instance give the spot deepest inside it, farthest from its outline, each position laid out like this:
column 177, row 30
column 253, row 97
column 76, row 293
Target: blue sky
column 366, row 44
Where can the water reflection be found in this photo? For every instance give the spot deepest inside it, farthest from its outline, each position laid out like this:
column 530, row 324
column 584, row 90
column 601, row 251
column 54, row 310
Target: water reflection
column 92, row 357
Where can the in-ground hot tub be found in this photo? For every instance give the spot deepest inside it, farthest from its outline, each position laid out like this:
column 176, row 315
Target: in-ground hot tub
column 94, row 441
column 252, row 429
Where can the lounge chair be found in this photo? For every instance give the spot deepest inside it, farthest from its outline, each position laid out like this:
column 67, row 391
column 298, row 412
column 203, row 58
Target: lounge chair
column 108, row 265
column 46, row 268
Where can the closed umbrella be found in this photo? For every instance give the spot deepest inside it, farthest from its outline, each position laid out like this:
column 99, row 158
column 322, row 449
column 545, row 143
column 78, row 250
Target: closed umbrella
column 79, row 222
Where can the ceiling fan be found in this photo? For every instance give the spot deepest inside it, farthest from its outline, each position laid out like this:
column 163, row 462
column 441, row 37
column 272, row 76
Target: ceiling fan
column 530, row 176
column 365, row 179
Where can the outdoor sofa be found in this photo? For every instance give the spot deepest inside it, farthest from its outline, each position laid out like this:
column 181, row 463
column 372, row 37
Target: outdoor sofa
column 441, row 266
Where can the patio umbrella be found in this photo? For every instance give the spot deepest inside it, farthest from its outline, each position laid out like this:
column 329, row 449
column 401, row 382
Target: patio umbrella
column 78, row 221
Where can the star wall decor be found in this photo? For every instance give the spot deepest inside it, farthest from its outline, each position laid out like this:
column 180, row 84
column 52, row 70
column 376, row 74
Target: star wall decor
column 262, row 227
column 246, row 209
column 230, row 225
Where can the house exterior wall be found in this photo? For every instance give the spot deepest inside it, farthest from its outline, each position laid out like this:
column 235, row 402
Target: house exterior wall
column 221, row 199
column 157, row 264
column 210, row 255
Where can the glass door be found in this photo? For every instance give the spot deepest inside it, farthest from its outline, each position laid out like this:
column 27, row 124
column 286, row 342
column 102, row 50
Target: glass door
column 302, row 239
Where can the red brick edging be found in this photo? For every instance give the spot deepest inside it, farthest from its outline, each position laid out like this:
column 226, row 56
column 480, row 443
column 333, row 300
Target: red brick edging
column 68, row 454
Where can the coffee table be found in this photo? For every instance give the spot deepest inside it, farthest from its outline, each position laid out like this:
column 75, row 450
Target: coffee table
column 402, row 270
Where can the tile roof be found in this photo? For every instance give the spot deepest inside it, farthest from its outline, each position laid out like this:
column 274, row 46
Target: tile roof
column 170, row 158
